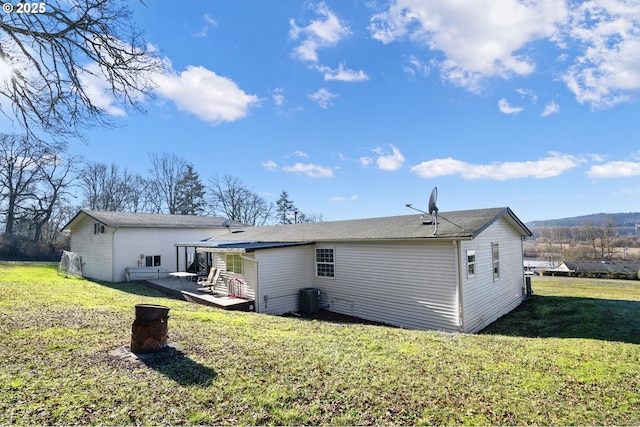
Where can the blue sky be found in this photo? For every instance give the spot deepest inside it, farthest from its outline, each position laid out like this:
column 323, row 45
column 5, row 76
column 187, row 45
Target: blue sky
column 357, row 108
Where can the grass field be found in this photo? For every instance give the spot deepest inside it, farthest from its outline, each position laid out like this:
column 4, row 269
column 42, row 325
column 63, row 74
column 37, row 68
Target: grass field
column 568, row 356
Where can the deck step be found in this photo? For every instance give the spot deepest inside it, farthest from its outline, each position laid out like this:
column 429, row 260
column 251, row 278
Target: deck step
column 223, row 302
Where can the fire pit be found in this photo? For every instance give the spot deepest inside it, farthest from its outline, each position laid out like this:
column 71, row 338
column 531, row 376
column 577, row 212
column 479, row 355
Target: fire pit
column 149, row 329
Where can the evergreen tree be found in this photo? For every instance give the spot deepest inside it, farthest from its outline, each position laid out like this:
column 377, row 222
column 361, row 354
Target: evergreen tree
column 190, row 194
column 285, row 210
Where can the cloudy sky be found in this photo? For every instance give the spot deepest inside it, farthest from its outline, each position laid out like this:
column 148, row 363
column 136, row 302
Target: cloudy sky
column 357, row 108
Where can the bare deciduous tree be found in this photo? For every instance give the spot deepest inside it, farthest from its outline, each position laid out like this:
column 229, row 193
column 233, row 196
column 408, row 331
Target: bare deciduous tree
column 231, row 198
column 106, row 188
column 20, row 161
column 609, row 231
column 34, row 180
column 56, row 178
column 50, row 57
column 592, row 233
column 166, row 171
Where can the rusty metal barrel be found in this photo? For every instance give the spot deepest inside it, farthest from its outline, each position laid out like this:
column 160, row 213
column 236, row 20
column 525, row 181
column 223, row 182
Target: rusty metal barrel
column 149, row 329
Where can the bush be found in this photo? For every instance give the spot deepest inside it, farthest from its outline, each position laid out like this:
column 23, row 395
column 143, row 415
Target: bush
column 18, row 248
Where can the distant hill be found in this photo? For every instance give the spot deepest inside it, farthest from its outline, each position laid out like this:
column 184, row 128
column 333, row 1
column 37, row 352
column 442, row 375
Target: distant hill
column 625, row 222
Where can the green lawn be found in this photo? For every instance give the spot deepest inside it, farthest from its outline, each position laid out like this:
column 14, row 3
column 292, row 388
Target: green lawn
column 568, row 356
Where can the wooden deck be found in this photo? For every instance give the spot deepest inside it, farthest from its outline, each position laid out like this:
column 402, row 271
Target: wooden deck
column 187, row 290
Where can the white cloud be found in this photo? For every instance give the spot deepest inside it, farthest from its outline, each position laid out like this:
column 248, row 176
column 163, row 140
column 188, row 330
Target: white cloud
column 484, row 39
column 277, row 95
column 343, row 199
column 630, row 191
column 366, row 161
column 550, row 108
column 528, row 93
column 301, row 154
column 389, row 162
column 320, row 33
column 614, row 170
column 608, row 69
column 100, row 91
column 210, row 22
column 97, row 89
column 212, row 98
column 506, row 108
column 310, row 170
column 416, row 67
column 478, row 39
column 269, row 165
column 342, row 74
column 553, row 165
column 323, row 97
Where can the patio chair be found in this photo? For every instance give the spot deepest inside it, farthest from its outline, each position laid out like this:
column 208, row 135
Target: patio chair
column 212, row 278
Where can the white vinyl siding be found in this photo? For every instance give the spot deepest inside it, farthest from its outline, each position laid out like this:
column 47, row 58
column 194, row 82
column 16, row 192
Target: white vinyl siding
column 282, row 273
column 249, row 277
column 130, row 243
column 485, row 299
column 95, row 248
column 106, row 255
column 407, row 284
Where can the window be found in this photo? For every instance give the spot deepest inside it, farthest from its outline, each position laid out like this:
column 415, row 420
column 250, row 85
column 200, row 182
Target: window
column 152, row 261
column 325, row 262
column 471, row 263
column 234, row 263
column 98, row 228
column 495, row 256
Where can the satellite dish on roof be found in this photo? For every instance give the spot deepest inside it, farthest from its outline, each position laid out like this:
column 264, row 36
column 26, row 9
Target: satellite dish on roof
column 433, row 209
column 432, row 201
column 227, row 223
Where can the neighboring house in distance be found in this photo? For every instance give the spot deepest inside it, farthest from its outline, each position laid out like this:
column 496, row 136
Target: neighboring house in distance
column 110, row 242
column 598, row 268
column 392, row 270
column 538, row 267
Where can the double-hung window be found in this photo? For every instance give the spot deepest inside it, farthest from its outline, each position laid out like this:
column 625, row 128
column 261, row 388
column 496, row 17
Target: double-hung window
column 234, row 263
column 325, row 263
column 471, row 263
column 495, row 257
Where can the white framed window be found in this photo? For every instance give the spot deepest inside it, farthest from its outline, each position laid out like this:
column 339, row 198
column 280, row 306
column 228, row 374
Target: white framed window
column 471, row 263
column 234, row 263
column 98, row 228
column 325, row 262
column 495, row 258
column 152, row 261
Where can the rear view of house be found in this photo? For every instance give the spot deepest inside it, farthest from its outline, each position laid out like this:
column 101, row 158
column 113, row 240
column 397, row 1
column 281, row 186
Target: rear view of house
column 393, row 270
column 112, row 243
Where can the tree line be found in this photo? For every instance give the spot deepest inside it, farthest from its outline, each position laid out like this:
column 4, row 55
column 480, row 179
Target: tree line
column 42, row 186
column 591, row 241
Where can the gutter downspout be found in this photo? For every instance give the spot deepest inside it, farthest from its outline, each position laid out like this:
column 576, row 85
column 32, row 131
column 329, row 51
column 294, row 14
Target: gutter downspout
column 458, row 253
column 113, row 254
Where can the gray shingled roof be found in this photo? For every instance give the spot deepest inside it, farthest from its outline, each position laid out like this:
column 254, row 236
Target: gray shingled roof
column 451, row 225
column 144, row 220
column 626, row 267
